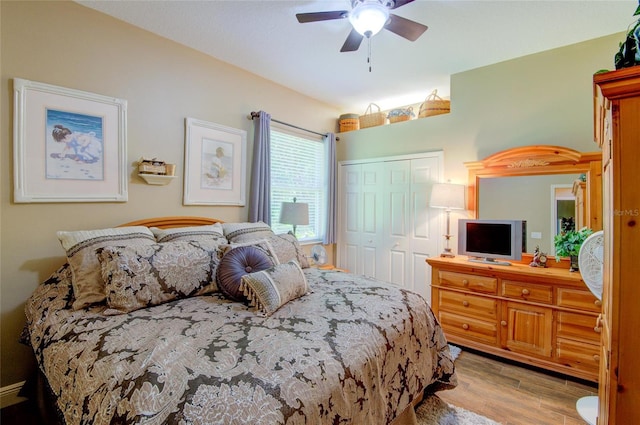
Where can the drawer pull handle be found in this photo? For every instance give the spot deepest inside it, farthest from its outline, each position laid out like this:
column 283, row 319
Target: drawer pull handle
column 465, row 327
column 598, row 303
column 503, row 323
column 598, row 327
column 465, row 303
column 525, row 292
column 596, row 357
column 465, row 282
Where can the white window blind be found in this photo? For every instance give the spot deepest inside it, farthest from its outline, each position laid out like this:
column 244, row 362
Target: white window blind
column 299, row 170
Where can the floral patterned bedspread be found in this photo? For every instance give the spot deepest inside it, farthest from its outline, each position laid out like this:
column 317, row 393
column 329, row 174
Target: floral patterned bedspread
column 353, row 351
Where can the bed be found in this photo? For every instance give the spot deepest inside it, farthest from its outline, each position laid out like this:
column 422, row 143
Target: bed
column 347, row 350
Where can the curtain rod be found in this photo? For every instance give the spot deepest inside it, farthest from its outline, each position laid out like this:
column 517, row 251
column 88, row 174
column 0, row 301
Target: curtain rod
column 256, row 114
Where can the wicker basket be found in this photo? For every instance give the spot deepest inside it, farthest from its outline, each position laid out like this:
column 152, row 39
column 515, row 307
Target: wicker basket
column 434, row 105
column 349, row 122
column 372, row 119
column 399, row 115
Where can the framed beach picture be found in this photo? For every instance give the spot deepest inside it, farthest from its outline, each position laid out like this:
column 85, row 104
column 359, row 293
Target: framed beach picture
column 69, row 145
column 215, row 164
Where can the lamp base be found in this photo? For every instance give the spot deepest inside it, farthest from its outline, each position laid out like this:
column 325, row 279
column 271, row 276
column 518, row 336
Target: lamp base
column 447, row 253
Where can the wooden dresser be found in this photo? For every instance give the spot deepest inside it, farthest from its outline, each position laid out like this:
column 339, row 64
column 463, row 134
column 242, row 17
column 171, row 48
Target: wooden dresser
column 617, row 132
column 545, row 317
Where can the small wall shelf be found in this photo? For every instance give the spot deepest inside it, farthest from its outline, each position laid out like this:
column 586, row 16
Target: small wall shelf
column 156, row 179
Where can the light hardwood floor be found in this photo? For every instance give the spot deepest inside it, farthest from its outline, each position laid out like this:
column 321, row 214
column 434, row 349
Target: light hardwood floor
column 503, row 391
column 512, row 394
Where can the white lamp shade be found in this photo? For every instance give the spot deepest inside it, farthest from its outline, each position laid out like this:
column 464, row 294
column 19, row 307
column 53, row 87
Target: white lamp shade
column 447, row 195
column 369, row 17
column 294, row 213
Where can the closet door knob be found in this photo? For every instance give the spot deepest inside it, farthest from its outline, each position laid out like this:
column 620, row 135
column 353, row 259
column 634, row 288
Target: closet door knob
column 465, row 327
column 503, row 323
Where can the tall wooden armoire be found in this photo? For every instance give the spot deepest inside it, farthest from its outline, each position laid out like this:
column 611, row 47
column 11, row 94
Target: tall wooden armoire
column 617, row 131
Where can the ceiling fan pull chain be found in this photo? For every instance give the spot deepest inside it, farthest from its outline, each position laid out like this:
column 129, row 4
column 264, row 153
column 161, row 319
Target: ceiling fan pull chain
column 369, row 53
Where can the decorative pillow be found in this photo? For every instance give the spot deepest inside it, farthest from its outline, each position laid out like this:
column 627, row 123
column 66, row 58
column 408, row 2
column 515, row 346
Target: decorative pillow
column 143, row 276
column 270, row 289
column 287, row 247
column 236, row 263
column 262, row 244
column 246, row 232
column 81, row 245
column 193, row 233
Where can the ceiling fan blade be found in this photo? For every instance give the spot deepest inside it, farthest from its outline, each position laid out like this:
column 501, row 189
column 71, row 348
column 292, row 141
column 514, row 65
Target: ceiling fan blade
column 352, row 43
column 303, row 18
column 399, row 3
column 406, row 28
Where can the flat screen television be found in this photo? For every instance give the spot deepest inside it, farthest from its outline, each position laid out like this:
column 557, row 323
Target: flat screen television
column 491, row 241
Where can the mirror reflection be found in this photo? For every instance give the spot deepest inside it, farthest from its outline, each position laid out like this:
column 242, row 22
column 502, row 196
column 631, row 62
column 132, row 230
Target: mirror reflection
column 543, row 201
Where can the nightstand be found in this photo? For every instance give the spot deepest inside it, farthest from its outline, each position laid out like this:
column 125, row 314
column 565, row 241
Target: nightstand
column 329, row 267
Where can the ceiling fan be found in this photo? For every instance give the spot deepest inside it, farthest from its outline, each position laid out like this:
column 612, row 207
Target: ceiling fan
column 368, row 17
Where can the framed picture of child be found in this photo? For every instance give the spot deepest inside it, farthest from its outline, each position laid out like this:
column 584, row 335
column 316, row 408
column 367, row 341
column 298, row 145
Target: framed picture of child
column 69, row 145
column 215, row 164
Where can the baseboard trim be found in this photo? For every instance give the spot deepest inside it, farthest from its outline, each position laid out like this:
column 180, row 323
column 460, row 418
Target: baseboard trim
column 9, row 394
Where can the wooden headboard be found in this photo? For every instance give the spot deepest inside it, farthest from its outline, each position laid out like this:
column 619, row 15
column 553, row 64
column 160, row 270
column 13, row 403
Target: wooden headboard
column 176, row 221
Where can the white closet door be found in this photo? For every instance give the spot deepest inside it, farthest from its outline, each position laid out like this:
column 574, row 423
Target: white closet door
column 396, row 247
column 386, row 228
column 350, row 220
column 426, row 237
column 372, row 246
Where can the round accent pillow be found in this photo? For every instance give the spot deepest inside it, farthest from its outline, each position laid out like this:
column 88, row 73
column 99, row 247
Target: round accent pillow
column 236, row 263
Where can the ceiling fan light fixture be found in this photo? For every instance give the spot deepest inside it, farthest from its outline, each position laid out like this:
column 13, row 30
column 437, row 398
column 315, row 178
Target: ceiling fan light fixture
column 368, row 17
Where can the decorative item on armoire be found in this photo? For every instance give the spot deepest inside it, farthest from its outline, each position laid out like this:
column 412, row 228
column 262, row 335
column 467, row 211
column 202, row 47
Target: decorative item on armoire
column 629, row 54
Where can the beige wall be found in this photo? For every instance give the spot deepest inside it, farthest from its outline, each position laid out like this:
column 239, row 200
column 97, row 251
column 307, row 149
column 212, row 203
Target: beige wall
column 544, row 98
column 65, row 44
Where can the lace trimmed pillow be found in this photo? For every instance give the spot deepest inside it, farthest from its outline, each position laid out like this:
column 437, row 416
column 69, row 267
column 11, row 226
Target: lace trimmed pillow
column 80, row 247
column 246, row 232
column 207, row 232
column 142, row 276
column 270, row 289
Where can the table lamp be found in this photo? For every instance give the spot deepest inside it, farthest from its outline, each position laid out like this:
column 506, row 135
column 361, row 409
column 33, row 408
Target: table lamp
column 450, row 197
column 294, row 213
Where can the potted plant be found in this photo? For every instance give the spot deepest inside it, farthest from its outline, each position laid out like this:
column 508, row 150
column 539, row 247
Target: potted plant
column 568, row 244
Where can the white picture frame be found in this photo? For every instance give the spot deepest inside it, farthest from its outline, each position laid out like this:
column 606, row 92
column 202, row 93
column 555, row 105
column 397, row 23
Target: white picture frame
column 68, row 145
column 215, row 162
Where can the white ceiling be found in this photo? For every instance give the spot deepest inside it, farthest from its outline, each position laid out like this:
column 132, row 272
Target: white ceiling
column 265, row 38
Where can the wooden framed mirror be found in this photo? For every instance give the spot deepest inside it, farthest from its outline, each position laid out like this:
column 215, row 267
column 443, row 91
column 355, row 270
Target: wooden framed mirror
column 513, row 180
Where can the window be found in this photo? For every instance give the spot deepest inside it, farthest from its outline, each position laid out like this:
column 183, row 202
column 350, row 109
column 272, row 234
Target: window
column 299, row 170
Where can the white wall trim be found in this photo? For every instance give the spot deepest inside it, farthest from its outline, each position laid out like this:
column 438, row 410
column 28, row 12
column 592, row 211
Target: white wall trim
column 9, row 394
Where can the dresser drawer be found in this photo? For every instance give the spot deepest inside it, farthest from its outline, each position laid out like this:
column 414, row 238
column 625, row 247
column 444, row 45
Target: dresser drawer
column 467, row 304
column 578, row 299
column 578, row 355
column 527, row 291
column 473, row 329
column 484, row 284
column 577, row 326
